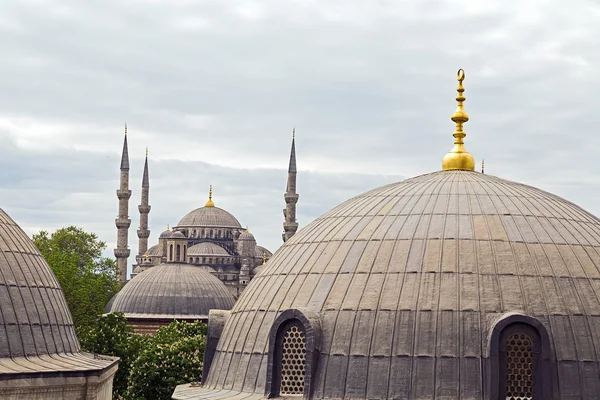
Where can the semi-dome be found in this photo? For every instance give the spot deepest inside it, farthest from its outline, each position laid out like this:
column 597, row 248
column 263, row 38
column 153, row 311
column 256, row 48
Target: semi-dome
column 207, row 249
column 403, row 292
column 213, row 217
column 261, row 251
column 153, row 251
column 37, row 335
column 174, row 290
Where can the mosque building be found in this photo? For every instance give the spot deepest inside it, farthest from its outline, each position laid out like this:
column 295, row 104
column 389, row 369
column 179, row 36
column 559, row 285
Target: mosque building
column 40, row 355
column 450, row 285
column 208, row 237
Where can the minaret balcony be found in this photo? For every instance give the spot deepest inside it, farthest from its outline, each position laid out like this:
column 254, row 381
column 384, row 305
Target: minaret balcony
column 291, row 198
column 123, row 194
column 122, row 223
column 143, row 233
column 290, row 226
column 122, row 253
column 144, row 208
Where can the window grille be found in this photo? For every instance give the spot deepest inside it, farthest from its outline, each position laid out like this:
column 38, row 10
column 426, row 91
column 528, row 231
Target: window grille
column 293, row 360
column 519, row 367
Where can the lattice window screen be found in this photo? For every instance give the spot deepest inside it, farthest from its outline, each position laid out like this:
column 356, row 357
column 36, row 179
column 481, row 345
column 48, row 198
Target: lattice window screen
column 519, row 367
column 293, row 361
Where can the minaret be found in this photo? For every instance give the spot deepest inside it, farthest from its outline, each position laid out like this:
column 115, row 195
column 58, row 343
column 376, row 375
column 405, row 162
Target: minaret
column 144, row 208
column 122, row 222
column 290, row 226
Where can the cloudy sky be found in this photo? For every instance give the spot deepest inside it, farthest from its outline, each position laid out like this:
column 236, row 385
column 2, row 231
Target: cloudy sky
column 213, row 88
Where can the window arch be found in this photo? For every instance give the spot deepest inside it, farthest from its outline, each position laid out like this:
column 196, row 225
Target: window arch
column 520, row 359
column 177, row 253
column 170, row 252
column 294, row 346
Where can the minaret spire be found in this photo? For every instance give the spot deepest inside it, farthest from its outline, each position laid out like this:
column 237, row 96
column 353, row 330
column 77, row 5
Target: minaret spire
column 144, row 209
column 209, row 203
column 123, row 222
column 290, row 226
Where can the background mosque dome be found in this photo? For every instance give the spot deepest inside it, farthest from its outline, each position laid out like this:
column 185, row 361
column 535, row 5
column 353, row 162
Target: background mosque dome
column 246, row 235
column 177, row 235
column 207, row 249
column 174, row 290
column 209, row 217
column 166, row 234
column 408, row 284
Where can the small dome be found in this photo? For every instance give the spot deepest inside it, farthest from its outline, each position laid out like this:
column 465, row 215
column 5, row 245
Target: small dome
column 177, row 235
column 166, row 234
column 207, row 249
column 172, row 290
column 261, row 251
column 213, row 217
column 153, row 251
column 137, row 270
column 247, row 236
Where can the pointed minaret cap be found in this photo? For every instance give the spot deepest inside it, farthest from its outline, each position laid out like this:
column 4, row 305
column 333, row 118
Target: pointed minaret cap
column 458, row 158
column 125, row 154
column 209, row 203
column 145, row 179
column 292, row 167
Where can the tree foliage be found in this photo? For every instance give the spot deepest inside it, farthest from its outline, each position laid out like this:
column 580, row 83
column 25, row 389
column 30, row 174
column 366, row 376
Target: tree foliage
column 111, row 335
column 150, row 366
column 173, row 357
column 87, row 279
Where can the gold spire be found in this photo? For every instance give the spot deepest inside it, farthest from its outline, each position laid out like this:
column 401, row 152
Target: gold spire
column 458, row 158
column 264, row 257
column 168, row 228
column 247, row 230
column 147, row 259
column 209, row 203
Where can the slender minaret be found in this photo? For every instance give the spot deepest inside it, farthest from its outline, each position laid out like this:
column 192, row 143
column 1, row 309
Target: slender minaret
column 290, row 226
column 123, row 221
column 144, row 208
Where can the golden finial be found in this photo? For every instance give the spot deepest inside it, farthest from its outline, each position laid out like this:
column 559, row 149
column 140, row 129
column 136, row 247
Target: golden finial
column 264, row 257
column 147, row 259
column 209, row 203
column 458, row 158
column 247, row 230
column 125, row 128
column 168, row 228
column 483, row 166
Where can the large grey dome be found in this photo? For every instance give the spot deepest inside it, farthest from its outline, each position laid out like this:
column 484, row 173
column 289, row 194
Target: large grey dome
column 36, row 330
column 172, row 290
column 412, row 282
column 213, row 217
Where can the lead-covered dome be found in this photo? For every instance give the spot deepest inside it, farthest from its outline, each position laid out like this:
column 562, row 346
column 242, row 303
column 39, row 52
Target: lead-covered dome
column 409, row 287
column 207, row 249
column 37, row 334
column 213, row 217
column 170, row 291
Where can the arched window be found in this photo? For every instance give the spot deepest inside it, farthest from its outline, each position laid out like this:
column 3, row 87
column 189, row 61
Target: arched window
column 294, row 345
column 194, row 233
column 178, row 252
column 171, row 252
column 211, row 233
column 520, row 359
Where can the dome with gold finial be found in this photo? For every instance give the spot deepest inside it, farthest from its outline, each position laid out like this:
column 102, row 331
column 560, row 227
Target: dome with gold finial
column 449, row 285
column 209, row 216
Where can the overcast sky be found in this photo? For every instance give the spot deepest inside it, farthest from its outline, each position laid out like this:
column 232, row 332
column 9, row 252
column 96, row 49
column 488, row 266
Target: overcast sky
column 213, row 88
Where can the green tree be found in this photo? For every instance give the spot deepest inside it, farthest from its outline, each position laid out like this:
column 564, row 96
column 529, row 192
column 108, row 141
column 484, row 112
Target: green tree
column 87, row 279
column 111, row 335
column 172, row 357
